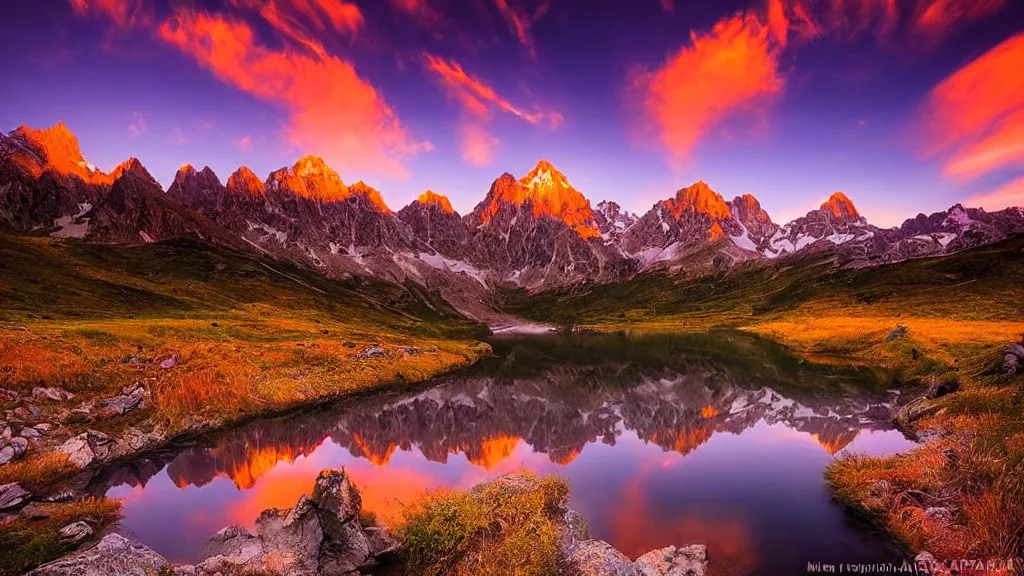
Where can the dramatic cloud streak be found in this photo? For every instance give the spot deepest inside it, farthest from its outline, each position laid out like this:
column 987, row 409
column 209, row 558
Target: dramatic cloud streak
column 974, row 119
column 478, row 102
column 332, row 111
column 732, row 68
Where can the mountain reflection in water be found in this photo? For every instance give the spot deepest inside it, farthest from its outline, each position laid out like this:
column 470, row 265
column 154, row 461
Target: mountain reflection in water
column 718, row 439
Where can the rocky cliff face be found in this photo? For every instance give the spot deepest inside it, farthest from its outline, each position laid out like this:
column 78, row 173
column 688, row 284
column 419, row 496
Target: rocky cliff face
column 536, row 232
column 432, row 221
column 539, row 232
column 135, row 209
column 44, row 178
column 674, row 228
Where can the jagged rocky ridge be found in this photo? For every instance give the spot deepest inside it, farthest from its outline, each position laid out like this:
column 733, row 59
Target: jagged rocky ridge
column 535, row 232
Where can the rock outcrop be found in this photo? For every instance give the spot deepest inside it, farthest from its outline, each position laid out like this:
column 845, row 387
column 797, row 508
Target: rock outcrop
column 320, row 535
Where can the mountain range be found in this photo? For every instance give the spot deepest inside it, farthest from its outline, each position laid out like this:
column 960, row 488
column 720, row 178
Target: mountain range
column 535, row 232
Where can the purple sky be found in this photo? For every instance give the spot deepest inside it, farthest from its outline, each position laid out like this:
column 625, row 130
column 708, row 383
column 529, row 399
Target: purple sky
column 786, row 100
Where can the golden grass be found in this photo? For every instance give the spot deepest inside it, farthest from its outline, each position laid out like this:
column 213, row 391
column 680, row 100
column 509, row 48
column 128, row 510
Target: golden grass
column 498, row 528
column 932, row 332
column 36, row 473
column 241, row 367
column 29, row 542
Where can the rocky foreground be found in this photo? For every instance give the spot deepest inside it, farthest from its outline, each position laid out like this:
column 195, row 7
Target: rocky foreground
column 325, row 534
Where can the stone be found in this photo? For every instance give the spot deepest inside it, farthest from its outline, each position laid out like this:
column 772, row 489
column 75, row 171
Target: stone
column 87, row 447
column 672, row 561
column 11, row 495
column 335, row 494
column 34, row 410
column 372, row 352
column 899, row 331
column 169, row 363
column 43, row 427
column 74, row 533
column 596, row 558
column 940, row 513
column 114, row 554
column 1011, row 364
column 124, row 403
column 8, row 395
column 22, row 412
column 573, row 530
column 1016, row 349
column 29, row 433
column 234, row 545
column 381, row 541
column 6, row 432
column 52, row 394
column 18, row 446
column 7, row 454
column 293, row 535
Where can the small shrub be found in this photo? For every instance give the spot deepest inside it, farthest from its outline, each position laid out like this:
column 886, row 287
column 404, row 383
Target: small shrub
column 505, row 527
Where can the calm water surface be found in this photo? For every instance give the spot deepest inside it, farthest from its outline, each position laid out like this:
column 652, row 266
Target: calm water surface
column 719, row 439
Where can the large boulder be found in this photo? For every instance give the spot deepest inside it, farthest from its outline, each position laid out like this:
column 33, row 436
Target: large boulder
column 596, row 558
column 672, row 561
column 114, row 554
column 294, row 536
column 233, row 542
column 319, row 535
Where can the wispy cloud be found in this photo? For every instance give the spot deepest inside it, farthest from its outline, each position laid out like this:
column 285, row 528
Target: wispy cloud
column 974, row 119
column 519, row 24
column 332, row 110
column 478, row 102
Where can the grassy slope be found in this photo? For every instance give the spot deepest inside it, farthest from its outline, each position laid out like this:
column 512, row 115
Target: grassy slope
column 251, row 336
column 960, row 310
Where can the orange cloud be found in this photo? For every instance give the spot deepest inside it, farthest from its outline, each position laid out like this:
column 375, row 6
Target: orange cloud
column 333, row 112
column 478, row 102
column 777, row 21
column 1007, row 196
column 519, row 25
column 732, row 68
column 975, row 117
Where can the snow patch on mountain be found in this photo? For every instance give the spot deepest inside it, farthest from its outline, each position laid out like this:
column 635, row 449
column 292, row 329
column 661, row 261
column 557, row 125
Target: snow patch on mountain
column 457, row 266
